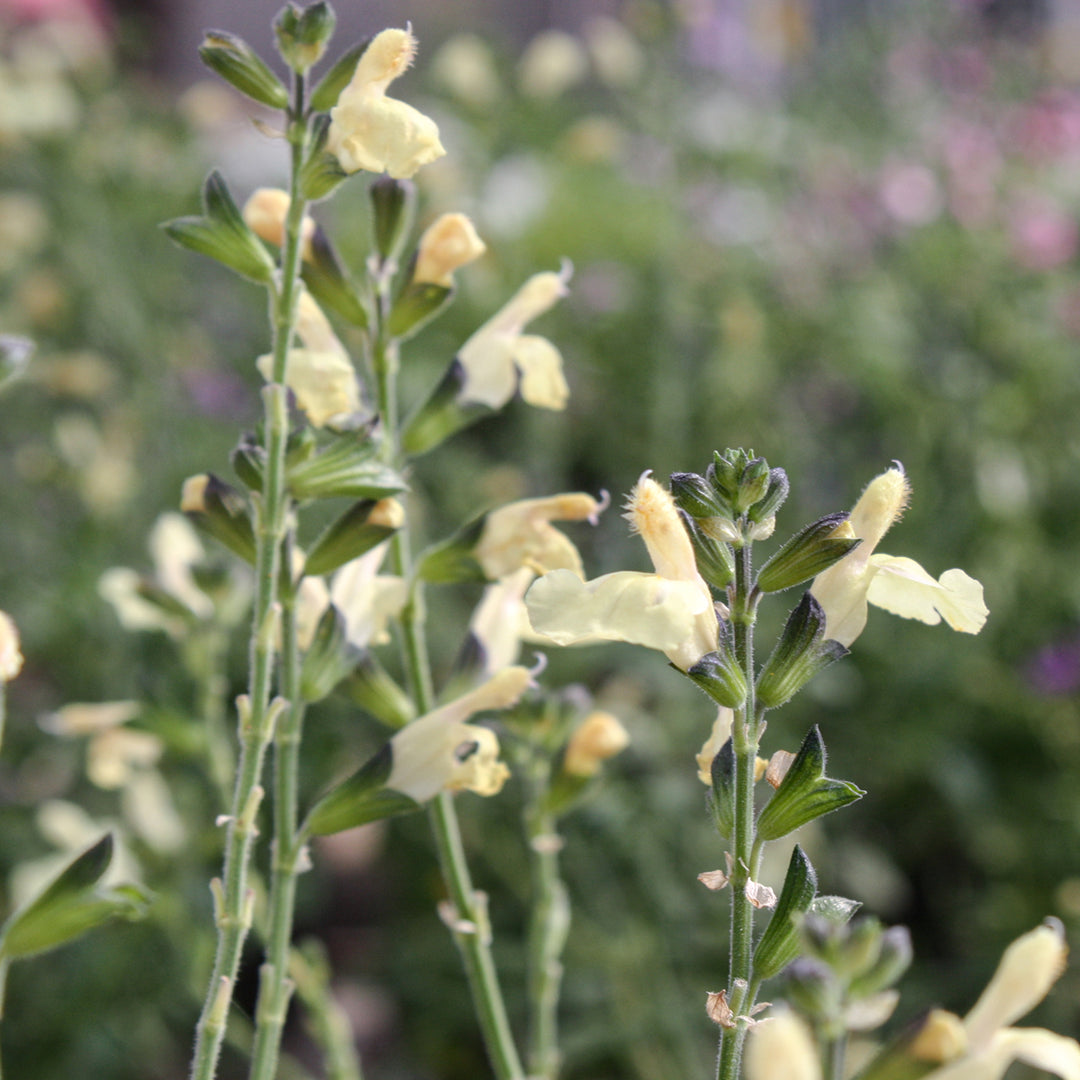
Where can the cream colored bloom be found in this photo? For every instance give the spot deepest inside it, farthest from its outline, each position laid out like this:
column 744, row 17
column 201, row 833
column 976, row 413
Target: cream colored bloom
column 670, row 610
column 721, row 732
column 320, row 375
column 521, row 534
column 370, row 131
column 446, row 245
column 498, row 358
column 367, row 599
column 897, row 584
column 782, row 1049
column 598, row 737
column 553, row 62
column 265, row 212
column 11, row 657
column 500, row 621
column 465, row 66
column 430, row 755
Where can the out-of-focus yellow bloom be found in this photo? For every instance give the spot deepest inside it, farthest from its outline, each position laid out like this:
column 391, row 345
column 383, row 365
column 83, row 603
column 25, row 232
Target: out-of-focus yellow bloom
column 671, row 610
column 447, row 244
column 370, row 131
column 721, row 732
column 553, row 62
column 265, row 213
column 320, row 374
column 500, row 621
column 521, row 534
column 897, row 584
column 430, row 755
column 616, row 54
column 598, row 737
column 11, row 657
column 367, row 599
column 782, row 1049
column 465, row 66
column 498, row 356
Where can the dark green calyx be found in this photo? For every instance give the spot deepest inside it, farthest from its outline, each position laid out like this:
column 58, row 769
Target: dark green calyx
column 811, row 550
column 696, row 496
column 240, row 66
column 393, row 203
column 714, row 558
column 798, row 656
column 721, row 798
column 303, row 33
column 805, row 793
column 774, row 497
column 719, row 675
column 782, row 941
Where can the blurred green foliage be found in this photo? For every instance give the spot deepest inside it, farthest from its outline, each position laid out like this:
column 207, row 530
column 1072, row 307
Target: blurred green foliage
column 871, row 256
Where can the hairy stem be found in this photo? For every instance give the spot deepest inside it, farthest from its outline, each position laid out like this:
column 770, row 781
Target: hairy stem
column 232, row 894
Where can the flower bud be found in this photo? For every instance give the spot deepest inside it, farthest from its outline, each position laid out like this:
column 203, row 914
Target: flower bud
column 238, row 64
column 446, row 245
column 364, row 525
column 328, row 659
column 715, row 562
column 696, row 496
column 812, row 549
column 893, row 959
column 798, row 656
column 219, row 510
column 774, row 497
column 302, row 34
column 719, row 675
column 782, row 941
column 813, row 989
column 598, row 737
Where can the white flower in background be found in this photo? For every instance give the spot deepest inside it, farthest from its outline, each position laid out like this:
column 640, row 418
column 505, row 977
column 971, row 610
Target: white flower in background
column 11, row 657
column 670, row 610
column 447, row 244
column 521, row 534
column 370, row 131
column 175, row 549
column 895, row 583
column 499, row 357
column 553, row 62
column 465, row 66
column 500, row 621
column 265, row 212
column 367, row 599
column 320, row 375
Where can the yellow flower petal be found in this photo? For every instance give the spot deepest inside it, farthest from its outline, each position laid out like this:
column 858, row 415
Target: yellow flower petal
column 1028, row 968
column 430, row 755
column 367, row 599
column 500, row 620
column 11, row 658
column 643, row 609
column 782, row 1049
column 540, row 365
column 446, row 245
column 721, row 732
column 903, row 587
column 1034, row 1046
column 324, row 383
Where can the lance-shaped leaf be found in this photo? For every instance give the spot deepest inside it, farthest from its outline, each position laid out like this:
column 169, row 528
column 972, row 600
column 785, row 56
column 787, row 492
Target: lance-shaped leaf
column 329, row 658
column 721, row 796
column 70, row 906
column 328, row 281
column 346, row 538
column 347, row 467
column 362, row 798
column 321, row 171
column 222, row 234
column 324, row 96
column 719, row 675
column 454, row 561
column 782, row 941
column 812, row 549
column 805, row 793
column 415, row 306
column 798, row 656
column 443, row 414
column 240, row 66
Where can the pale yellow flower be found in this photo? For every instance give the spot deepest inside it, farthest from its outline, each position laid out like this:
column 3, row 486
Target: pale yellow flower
column 499, row 358
column 265, row 212
column 671, row 610
column 430, row 755
column 553, row 62
column 370, row 131
column 367, row 599
column 320, row 375
column 465, row 65
column 521, row 534
column 11, row 657
column 897, row 584
column 721, row 732
column 500, row 621
column 598, row 737
column 446, row 245
column 782, row 1049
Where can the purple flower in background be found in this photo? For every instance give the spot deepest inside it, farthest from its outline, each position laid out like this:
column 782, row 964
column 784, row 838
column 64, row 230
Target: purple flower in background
column 1044, row 234
column 217, row 394
column 1055, row 669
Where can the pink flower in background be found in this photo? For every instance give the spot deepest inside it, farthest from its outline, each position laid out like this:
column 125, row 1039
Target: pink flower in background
column 1044, row 234
column 910, row 194
column 1048, row 127
column 93, row 11
column 974, row 162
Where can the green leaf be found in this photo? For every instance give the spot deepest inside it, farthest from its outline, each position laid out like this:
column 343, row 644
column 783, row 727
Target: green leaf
column 70, row 906
column 324, row 97
column 359, row 799
column 346, row 467
column 782, row 941
column 805, row 793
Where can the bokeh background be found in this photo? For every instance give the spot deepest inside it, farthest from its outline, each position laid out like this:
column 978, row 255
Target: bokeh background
column 839, row 233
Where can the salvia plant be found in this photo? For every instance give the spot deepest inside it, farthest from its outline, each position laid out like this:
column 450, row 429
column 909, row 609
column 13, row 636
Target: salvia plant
column 318, row 526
